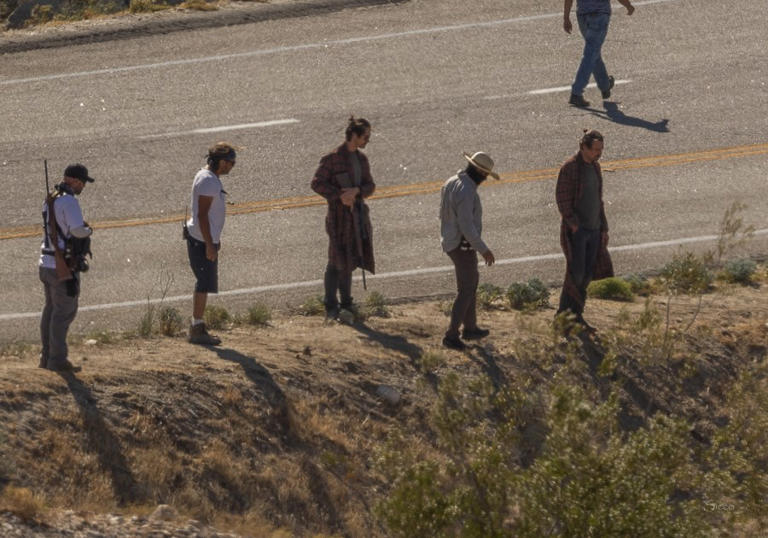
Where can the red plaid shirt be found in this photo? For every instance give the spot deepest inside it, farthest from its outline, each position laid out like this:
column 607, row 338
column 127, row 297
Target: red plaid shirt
column 568, row 193
column 345, row 242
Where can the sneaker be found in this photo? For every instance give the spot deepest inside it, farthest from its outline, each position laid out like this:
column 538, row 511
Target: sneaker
column 62, row 366
column 611, row 83
column 475, row 334
column 578, row 100
column 454, row 343
column 199, row 335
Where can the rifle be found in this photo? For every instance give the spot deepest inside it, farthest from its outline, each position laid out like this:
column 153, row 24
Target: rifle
column 63, row 271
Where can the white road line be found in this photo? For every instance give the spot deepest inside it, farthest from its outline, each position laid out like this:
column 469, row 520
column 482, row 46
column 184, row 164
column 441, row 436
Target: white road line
column 568, row 88
column 223, row 128
column 380, row 276
column 295, row 48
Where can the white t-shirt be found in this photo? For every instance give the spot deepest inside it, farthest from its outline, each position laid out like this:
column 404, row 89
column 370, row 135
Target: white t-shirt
column 207, row 183
column 68, row 217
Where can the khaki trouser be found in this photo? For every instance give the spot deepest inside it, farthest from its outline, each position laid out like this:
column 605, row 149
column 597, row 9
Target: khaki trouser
column 59, row 312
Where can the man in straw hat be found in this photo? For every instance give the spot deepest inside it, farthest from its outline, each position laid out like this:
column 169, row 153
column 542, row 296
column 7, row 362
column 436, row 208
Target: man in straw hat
column 583, row 228
column 461, row 216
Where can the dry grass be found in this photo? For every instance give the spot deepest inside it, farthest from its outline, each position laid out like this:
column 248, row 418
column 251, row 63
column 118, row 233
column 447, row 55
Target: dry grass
column 200, row 5
column 21, row 502
column 276, row 432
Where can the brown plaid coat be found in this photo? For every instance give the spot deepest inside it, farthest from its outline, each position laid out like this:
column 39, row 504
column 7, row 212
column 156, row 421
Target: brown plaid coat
column 569, row 191
column 345, row 241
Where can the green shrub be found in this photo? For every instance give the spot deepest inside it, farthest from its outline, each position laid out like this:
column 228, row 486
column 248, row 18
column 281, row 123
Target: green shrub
column 375, row 305
column 589, row 478
column 613, row 288
column 171, row 321
column 488, row 296
column 591, row 481
column 739, row 271
column 686, row 274
column 531, row 295
column 259, row 314
column 639, row 284
column 216, row 317
column 430, row 361
column 313, row 306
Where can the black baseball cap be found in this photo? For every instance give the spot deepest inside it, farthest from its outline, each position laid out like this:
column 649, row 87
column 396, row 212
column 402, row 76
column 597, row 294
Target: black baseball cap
column 78, row 171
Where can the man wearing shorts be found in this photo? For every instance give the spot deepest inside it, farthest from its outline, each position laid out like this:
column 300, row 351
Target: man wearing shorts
column 203, row 234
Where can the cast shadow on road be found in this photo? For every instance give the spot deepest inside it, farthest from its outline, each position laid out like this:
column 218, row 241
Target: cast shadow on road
column 103, row 442
column 260, row 377
column 612, row 113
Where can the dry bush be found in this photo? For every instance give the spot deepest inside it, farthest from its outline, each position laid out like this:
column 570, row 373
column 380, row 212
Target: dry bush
column 22, row 502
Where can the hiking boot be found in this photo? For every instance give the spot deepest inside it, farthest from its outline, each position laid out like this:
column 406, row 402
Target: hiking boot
column 475, row 334
column 62, row 366
column 454, row 343
column 611, row 83
column 346, row 316
column 578, row 100
column 199, row 335
column 332, row 313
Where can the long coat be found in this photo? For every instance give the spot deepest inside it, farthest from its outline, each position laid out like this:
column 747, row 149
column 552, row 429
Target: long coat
column 348, row 248
column 568, row 194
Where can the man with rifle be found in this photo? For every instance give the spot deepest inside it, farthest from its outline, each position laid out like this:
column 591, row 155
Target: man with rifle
column 344, row 180
column 66, row 242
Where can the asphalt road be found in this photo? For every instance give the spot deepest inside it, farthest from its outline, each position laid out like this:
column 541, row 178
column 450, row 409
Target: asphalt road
column 685, row 137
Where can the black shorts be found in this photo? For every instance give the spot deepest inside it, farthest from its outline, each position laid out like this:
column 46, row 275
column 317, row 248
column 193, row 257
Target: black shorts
column 206, row 271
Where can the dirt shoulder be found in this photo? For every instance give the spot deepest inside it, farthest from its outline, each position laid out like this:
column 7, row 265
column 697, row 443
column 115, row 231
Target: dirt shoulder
column 129, row 25
column 278, row 429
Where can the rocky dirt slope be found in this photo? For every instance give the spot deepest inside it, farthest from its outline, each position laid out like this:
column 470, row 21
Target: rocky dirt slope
column 276, row 432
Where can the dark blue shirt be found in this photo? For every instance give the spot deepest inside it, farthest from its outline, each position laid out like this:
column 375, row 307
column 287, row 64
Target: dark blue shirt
column 593, row 6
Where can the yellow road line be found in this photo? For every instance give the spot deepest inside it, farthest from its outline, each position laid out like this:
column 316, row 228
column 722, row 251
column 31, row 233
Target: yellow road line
column 426, row 187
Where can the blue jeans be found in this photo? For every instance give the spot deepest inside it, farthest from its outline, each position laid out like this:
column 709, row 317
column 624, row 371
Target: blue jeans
column 594, row 28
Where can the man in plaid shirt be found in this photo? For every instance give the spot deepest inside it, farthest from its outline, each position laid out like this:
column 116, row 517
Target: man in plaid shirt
column 584, row 228
column 344, row 180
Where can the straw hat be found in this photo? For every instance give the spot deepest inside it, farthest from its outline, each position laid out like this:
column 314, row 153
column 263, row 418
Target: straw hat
column 483, row 162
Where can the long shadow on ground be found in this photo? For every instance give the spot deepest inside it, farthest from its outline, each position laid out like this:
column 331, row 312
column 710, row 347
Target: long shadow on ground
column 261, row 377
column 104, row 442
column 393, row 342
column 612, row 113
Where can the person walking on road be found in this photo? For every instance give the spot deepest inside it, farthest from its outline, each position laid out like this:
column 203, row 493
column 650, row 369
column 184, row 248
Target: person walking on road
column 344, row 180
column 461, row 225
column 203, row 235
column 583, row 228
column 66, row 242
column 593, row 17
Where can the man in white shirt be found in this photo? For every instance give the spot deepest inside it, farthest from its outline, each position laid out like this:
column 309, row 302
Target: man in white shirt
column 461, row 225
column 62, row 259
column 203, row 234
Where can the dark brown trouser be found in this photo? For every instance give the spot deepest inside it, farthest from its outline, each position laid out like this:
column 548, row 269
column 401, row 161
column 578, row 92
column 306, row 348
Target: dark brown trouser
column 467, row 279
